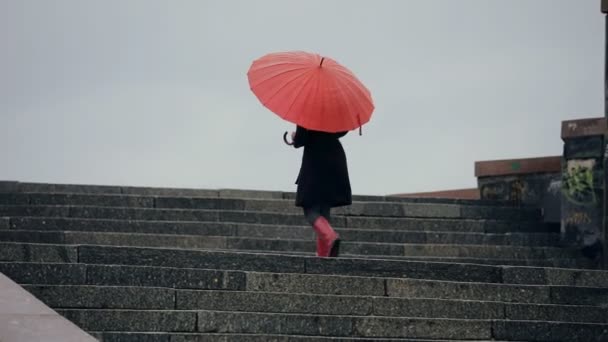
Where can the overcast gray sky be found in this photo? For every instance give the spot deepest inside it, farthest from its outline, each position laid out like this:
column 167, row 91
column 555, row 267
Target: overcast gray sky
column 155, row 92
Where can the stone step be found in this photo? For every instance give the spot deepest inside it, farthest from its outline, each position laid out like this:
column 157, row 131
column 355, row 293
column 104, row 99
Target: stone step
column 28, row 187
column 285, row 245
column 149, row 298
column 572, row 289
column 493, row 255
column 260, row 229
column 163, row 214
column 390, row 209
column 36, row 252
column 578, row 263
column 277, row 231
column 323, row 325
column 139, row 256
column 207, row 337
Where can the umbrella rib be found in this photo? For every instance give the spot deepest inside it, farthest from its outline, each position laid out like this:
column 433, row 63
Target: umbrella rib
column 304, row 84
column 358, row 91
column 285, row 85
column 257, row 83
column 343, row 98
column 270, row 65
column 352, row 79
column 358, row 106
column 354, row 90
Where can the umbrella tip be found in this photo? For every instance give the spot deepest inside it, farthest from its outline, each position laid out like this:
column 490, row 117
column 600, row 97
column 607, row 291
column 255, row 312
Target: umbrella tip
column 322, row 59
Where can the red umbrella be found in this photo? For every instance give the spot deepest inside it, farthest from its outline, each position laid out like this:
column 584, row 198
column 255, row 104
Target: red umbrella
column 311, row 91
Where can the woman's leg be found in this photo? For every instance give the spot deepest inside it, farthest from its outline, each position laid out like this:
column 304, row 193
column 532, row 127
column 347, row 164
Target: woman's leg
column 312, row 214
column 318, row 217
column 334, row 249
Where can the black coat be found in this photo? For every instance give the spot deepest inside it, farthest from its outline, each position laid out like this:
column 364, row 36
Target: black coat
column 323, row 178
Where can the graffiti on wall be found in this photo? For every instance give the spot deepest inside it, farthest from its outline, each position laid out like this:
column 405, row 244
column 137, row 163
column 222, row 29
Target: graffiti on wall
column 578, row 218
column 577, row 182
column 517, row 191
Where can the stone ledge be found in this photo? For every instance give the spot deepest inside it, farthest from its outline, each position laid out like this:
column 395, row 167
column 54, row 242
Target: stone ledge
column 472, row 194
column 492, row 168
column 25, row 318
column 583, row 127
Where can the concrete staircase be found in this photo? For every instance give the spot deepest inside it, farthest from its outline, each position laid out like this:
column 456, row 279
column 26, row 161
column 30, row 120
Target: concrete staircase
column 180, row 265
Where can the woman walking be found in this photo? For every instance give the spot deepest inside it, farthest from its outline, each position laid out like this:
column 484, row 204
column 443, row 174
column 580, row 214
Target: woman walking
column 325, row 100
column 323, row 183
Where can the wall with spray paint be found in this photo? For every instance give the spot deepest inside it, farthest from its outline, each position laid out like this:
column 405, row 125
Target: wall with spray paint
column 529, row 182
column 582, row 184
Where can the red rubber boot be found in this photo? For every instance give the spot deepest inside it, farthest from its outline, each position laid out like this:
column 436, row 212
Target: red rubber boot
column 328, row 241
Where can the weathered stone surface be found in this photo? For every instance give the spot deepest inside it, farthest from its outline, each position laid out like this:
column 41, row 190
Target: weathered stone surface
column 145, row 240
column 16, row 251
column 228, row 322
column 584, row 147
column 179, row 278
column 131, row 320
column 268, row 232
column 30, row 210
column 127, row 226
column 9, row 186
column 257, row 194
column 190, row 259
column 5, row 223
column 556, row 313
column 13, row 199
column 16, row 301
column 372, row 209
column 200, row 203
column 135, row 337
column 568, row 277
column 271, row 218
column 549, row 331
column 382, row 236
column 372, row 249
column 43, row 273
column 271, row 245
column 273, row 302
column 104, row 297
column 210, row 337
column 498, row 213
column 405, row 269
column 560, row 263
column 69, row 188
column 204, row 337
column 95, row 200
column 422, row 328
column 143, row 214
column 32, row 236
column 152, row 191
column 48, row 328
column 473, row 251
column 278, row 232
column 279, row 206
column 25, row 318
column 579, row 295
column 432, row 210
column 414, row 224
column 315, row 284
column 414, row 288
column 231, row 338
column 502, row 227
column 437, row 308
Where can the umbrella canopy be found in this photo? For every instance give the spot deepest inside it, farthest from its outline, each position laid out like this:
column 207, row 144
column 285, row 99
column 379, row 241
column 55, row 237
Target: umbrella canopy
column 311, row 91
